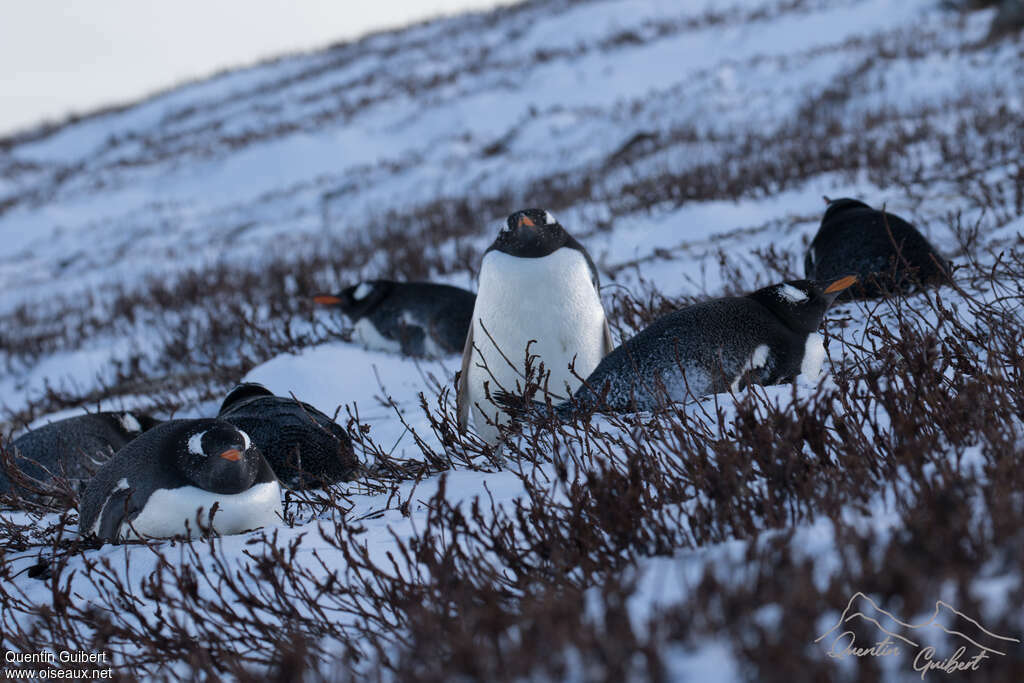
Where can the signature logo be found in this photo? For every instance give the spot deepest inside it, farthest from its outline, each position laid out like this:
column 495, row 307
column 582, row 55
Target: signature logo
column 976, row 643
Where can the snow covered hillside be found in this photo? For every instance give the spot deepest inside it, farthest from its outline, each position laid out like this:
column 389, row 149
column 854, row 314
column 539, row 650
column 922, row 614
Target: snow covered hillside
column 156, row 255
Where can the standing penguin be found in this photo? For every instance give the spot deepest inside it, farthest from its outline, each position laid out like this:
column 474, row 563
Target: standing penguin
column 73, row 448
column 413, row 318
column 536, row 283
column 766, row 337
column 304, row 447
column 853, row 240
column 159, row 482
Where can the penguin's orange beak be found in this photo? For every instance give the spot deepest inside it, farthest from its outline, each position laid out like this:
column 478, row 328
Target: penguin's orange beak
column 841, row 284
column 326, row 300
column 525, row 220
column 232, row 454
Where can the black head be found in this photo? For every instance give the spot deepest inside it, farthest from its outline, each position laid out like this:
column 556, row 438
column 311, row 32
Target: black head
column 147, row 422
column 243, row 392
column 357, row 300
column 217, row 456
column 801, row 304
column 838, row 206
column 532, row 233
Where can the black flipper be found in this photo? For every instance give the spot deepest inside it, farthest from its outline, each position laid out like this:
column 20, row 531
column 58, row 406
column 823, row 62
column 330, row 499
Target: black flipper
column 412, row 339
column 120, row 506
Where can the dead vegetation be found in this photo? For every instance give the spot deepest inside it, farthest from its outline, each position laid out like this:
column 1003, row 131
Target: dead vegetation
column 931, row 412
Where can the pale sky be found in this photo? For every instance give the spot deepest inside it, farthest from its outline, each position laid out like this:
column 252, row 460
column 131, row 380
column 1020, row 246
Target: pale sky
column 59, row 56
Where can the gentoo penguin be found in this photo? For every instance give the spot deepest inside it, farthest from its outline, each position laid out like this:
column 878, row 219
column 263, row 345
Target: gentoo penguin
column 537, row 283
column 853, row 240
column 304, row 447
column 73, row 448
column 158, row 483
column 766, row 337
column 413, row 318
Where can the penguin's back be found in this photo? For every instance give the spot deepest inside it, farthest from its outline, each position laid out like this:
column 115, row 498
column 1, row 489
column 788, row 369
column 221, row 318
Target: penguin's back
column 73, row 448
column 886, row 253
column 424, row 318
column 303, row 446
column 702, row 349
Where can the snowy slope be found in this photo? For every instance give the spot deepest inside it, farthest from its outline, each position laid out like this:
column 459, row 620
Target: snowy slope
column 321, row 152
column 679, row 141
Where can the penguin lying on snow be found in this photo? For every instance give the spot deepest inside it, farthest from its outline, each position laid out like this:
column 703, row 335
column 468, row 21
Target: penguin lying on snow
column 75, row 447
column 536, row 283
column 158, row 483
column 304, row 447
column 853, row 240
column 766, row 337
column 414, row 318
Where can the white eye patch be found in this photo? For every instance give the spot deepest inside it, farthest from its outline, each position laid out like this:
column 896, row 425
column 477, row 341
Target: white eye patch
column 362, row 291
column 195, row 443
column 245, row 440
column 549, row 218
column 129, row 423
column 792, row 294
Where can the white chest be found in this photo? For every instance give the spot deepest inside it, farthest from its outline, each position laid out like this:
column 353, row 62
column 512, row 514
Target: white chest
column 549, row 300
column 366, row 334
column 167, row 510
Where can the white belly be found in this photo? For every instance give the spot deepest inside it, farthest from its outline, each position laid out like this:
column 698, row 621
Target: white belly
column 167, row 510
column 814, row 356
column 366, row 334
column 551, row 300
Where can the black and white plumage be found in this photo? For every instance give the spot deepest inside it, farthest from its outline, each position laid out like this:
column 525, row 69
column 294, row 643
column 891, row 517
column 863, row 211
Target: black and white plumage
column 304, row 447
column 854, row 240
column 766, row 337
column 73, row 448
column 537, row 283
column 423, row 319
column 160, row 481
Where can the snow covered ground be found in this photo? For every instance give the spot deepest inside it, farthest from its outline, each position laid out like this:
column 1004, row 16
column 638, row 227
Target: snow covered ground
column 687, row 145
